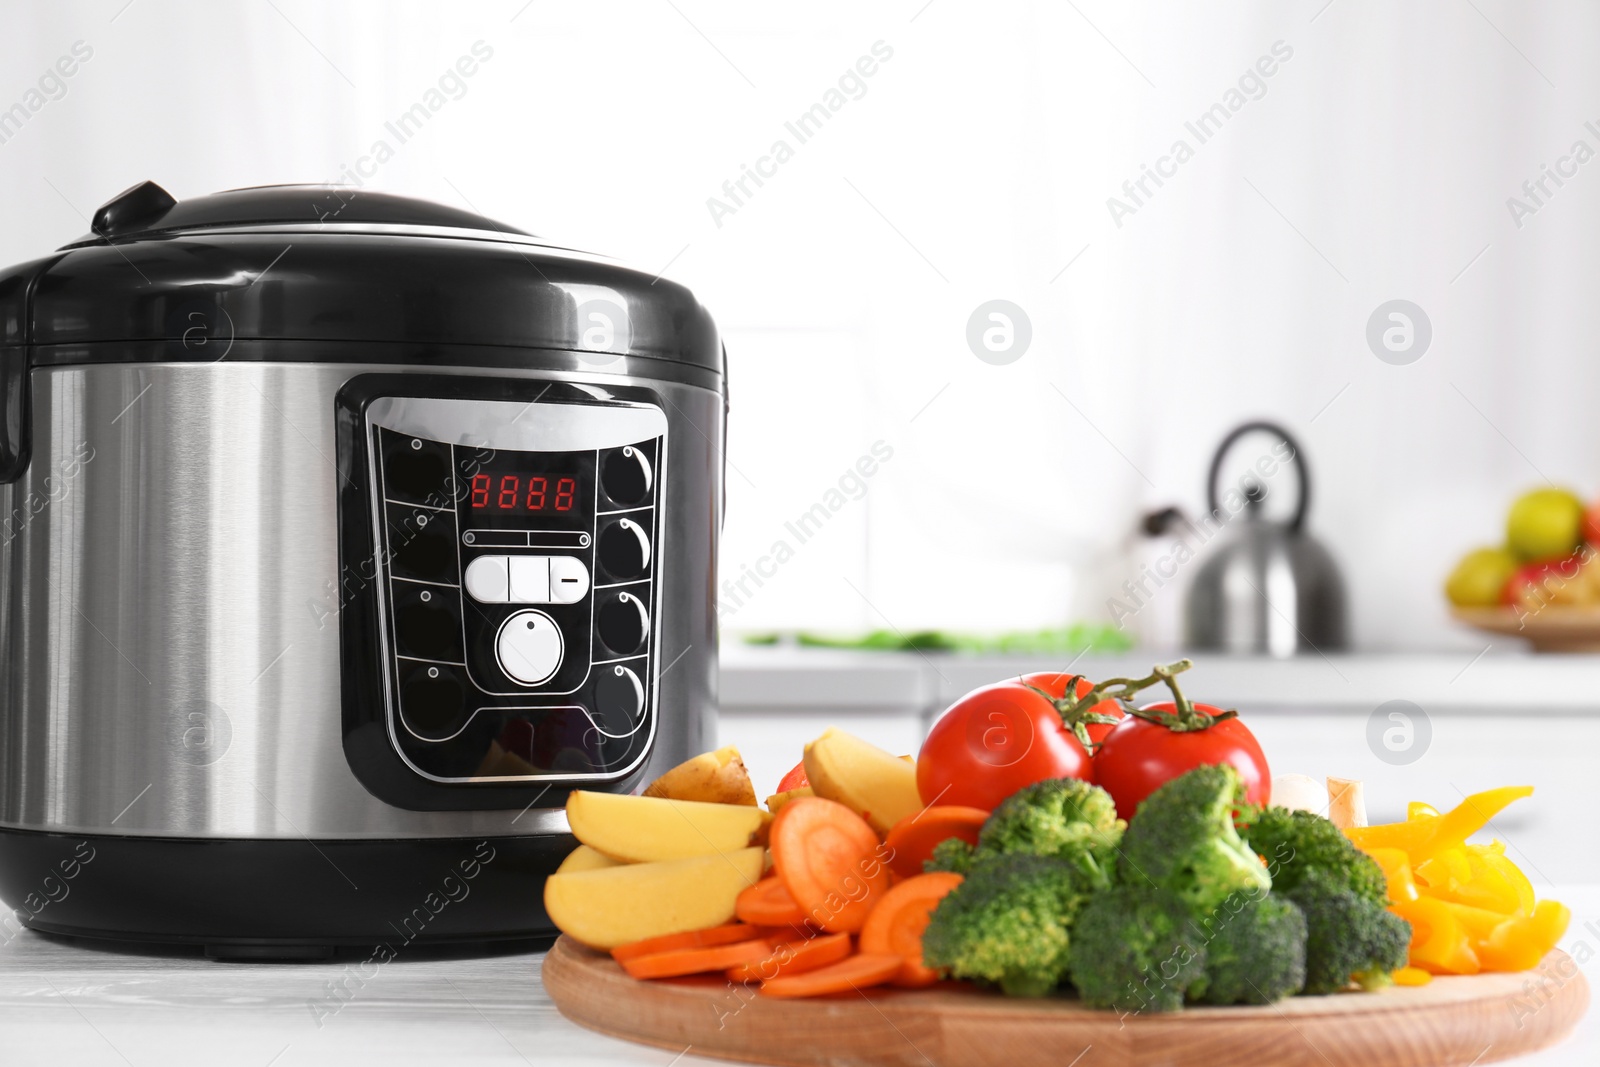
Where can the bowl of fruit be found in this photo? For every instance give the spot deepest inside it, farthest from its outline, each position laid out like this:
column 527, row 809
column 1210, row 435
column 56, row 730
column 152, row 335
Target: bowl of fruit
column 1543, row 583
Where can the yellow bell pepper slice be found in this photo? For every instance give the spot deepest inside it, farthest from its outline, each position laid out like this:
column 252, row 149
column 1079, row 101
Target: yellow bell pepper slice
column 1445, row 871
column 1516, row 882
column 1405, row 836
column 1411, row 976
column 1397, row 869
column 1477, row 923
column 1439, row 945
column 1519, row 944
column 1466, row 819
column 1418, row 810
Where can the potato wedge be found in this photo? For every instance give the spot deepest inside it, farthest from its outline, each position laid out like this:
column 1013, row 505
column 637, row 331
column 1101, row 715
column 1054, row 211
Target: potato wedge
column 584, row 858
column 712, row 777
column 612, row 906
column 778, row 800
column 878, row 786
column 646, row 829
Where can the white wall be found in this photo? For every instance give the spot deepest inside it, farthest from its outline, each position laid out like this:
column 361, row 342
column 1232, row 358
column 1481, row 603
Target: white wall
column 1375, row 165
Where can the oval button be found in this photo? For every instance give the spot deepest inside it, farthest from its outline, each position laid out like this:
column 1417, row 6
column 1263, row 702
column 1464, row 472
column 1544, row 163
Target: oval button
column 625, row 549
column 618, row 700
column 625, row 473
column 529, row 647
column 623, row 624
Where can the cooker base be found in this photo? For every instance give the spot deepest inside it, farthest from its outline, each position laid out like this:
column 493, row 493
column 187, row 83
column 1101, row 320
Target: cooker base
column 279, row 899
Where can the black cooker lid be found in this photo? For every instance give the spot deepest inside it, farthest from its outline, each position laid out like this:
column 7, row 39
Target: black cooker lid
column 322, row 263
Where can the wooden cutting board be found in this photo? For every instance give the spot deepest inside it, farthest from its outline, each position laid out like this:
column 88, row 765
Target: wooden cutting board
column 1453, row 1022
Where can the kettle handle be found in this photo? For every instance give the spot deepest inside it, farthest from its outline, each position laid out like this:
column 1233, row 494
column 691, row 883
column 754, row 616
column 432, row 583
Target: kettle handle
column 1294, row 453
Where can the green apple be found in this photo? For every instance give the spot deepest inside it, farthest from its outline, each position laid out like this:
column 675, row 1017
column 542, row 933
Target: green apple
column 1480, row 577
column 1544, row 524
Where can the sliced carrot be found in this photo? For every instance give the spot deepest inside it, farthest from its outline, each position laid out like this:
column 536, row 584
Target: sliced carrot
column 709, row 937
column 830, row 860
column 681, row 961
column 795, row 957
column 912, row 839
column 768, row 903
column 846, row 976
column 896, row 924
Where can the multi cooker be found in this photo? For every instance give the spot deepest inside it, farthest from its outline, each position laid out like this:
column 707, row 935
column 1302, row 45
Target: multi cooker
column 341, row 535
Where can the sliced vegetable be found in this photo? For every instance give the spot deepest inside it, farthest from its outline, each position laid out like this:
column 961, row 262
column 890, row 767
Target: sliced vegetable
column 829, row 860
column 873, row 783
column 1438, row 942
column 895, row 926
column 794, row 957
column 1397, row 869
column 846, row 976
column 1471, row 909
column 768, row 903
column 712, row 777
column 1519, row 944
column 710, row 937
column 1411, row 976
column 912, row 840
column 678, row 962
column 1467, row 818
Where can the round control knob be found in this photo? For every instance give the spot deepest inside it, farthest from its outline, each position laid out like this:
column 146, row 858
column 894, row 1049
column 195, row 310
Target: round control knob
column 625, row 549
column 626, row 475
column 623, row 624
column 529, row 647
column 618, row 700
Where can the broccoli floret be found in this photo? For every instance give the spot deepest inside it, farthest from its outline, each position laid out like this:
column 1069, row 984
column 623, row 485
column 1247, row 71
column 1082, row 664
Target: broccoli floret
column 1065, row 818
column 952, row 854
column 1007, row 924
column 1182, row 839
column 1136, row 949
column 1348, row 938
column 1257, row 954
column 1298, row 842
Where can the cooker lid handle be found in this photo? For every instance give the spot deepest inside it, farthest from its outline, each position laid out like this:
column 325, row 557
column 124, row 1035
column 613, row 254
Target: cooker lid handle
column 148, row 208
column 136, row 208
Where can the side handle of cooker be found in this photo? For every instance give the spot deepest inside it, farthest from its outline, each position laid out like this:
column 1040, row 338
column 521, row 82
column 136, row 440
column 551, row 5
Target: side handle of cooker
column 15, row 413
column 725, row 407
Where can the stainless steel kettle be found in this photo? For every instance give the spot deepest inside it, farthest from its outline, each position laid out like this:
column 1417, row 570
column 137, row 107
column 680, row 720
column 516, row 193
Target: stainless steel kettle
column 1268, row 586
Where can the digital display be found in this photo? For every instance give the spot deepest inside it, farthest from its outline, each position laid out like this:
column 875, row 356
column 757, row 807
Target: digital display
column 517, row 483
column 522, row 494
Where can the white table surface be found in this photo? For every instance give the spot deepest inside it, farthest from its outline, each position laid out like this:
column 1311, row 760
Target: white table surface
column 65, row 1002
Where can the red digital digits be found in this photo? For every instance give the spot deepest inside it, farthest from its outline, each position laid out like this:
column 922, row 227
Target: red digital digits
column 510, row 496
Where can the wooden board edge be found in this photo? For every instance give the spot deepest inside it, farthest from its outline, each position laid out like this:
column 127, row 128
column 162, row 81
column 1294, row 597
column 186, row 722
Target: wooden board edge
column 1535, row 1010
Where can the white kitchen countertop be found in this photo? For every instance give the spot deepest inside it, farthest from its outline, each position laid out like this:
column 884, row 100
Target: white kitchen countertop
column 65, row 1002
column 1495, row 680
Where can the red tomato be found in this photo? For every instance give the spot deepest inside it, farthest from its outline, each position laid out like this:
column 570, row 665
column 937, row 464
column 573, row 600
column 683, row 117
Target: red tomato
column 994, row 741
column 795, row 779
column 1591, row 524
column 1140, row 756
column 1055, row 683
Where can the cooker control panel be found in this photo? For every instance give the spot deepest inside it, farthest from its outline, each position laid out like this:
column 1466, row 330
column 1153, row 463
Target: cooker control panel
column 517, row 558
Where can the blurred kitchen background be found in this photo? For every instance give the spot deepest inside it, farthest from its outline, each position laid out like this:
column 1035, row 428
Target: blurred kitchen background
column 850, row 186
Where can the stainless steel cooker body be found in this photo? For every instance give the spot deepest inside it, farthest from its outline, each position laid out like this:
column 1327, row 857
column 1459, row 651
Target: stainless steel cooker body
column 341, row 536
column 173, row 594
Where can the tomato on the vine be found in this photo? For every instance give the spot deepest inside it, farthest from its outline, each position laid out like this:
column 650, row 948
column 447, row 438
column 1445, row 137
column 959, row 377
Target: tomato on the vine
column 997, row 739
column 1161, row 741
column 1055, row 683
